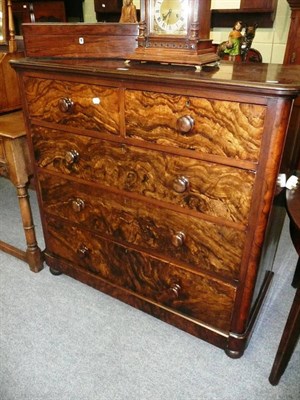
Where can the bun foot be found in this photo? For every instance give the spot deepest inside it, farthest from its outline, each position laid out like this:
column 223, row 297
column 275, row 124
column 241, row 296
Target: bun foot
column 234, row 353
column 54, row 271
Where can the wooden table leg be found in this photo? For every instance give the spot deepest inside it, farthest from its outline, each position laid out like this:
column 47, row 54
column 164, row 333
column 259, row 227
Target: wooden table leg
column 33, row 252
column 15, row 159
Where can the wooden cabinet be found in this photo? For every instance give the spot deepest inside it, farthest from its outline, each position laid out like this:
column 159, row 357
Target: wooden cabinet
column 292, row 56
column 258, row 5
column 292, row 52
column 108, row 6
column 37, row 11
column 156, row 183
column 9, row 89
column 108, row 10
column 74, row 10
column 261, row 12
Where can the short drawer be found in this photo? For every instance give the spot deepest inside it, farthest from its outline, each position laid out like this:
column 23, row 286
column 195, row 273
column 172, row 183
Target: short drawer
column 222, row 128
column 199, row 297
column 208, row 188
column 73, row 104
column 188, row 240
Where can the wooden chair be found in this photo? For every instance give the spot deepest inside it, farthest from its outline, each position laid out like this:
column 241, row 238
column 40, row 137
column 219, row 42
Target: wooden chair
column 291, row 331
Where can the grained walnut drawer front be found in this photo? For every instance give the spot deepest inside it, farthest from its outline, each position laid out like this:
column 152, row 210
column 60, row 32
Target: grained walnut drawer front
column 72, row 104
column 208, row 188
column 222, row 128
column 182, row 238
column 193, row 295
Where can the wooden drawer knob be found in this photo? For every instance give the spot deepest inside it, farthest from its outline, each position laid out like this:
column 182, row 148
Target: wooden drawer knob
column 170, row 293
column 78, row 205
column 83, row 252
column 178, row 239
column 185, row 124
column 174, row 290
column 66, row 105
column 71, row 157
column 180, row 184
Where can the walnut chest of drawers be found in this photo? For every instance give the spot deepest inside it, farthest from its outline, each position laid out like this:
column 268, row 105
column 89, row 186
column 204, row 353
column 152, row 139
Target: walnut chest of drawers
column 155, row 183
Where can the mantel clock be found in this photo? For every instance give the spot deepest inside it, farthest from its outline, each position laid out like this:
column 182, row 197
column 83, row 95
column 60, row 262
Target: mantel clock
column 175, row 31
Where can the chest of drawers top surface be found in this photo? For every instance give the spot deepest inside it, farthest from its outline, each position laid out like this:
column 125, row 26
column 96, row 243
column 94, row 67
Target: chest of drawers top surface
column 253, row 78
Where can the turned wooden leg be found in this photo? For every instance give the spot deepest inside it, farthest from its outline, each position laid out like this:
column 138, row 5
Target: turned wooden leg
column 288, row 341
column 296, row 279
column 17, row 164
column 33, row 252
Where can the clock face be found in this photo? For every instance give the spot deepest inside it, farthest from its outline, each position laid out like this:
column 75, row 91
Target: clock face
column 169, row 17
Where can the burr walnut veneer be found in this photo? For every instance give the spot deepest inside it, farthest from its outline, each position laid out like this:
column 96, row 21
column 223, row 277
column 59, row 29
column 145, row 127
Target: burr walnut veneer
column 155, row 183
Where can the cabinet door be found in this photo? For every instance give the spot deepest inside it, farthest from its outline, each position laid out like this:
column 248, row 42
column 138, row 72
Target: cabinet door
column 108, row 10
column 292, row 51
column 263, row 5
column 106, row 6
column 46, row 11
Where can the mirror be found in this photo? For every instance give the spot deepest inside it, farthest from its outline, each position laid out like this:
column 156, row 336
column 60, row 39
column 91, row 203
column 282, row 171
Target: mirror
column 3, row 22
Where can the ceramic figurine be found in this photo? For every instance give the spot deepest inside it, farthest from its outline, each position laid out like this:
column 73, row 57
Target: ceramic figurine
column 233, row 45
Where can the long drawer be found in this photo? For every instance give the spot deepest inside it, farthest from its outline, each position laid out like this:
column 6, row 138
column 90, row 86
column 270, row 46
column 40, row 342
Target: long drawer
column 209, row 188
column 222, row 128
column 184, row 239
column 199, row 297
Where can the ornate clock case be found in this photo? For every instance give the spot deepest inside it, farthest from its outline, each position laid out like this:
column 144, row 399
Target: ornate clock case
column 175, row 31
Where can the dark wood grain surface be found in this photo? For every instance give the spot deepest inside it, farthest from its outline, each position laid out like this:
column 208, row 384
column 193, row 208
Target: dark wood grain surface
column 95, row 107
column 205, row 299
column 255, row 78
column 205, row 246
column 228, row 129
column 212, row 189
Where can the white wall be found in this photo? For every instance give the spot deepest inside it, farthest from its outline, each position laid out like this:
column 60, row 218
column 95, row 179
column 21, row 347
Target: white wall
column 270, row 42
